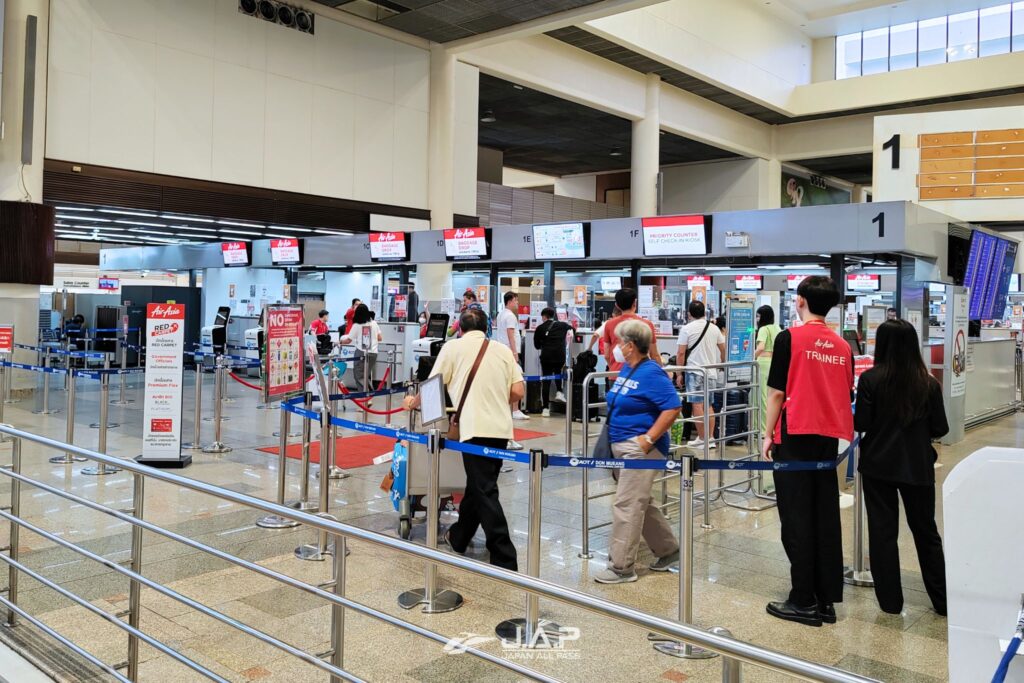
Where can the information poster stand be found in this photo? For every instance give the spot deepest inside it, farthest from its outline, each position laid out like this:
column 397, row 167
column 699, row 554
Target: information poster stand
column 874, row 316
column 954, row 362
column 740, row 327
column 283, row 357
column 161, row 424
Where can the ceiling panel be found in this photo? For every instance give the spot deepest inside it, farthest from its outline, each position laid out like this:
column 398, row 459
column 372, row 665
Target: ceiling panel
column 545, row 134
column 853, row 168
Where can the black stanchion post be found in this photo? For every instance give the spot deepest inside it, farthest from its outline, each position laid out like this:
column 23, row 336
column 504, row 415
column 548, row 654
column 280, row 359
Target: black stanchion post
column 532, row 630
column 434, row 601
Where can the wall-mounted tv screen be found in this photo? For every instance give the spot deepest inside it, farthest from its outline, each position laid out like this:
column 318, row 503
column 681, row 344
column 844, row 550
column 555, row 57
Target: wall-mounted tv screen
column 467, row 244
column 748, row 283
column 286, row 251
column 863, row 282
column 389, row 246
column 235, row 253
column 676, row 235
column 559, row 241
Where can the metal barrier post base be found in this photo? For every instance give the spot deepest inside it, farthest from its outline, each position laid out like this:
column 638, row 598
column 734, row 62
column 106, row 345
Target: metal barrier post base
column 189, row 446
column 304, row 505
column 444, row 601
column 275, row 522
column 674, row 648
column 100, row 471
column 51, row 411
column 224, row 418
column 852, row 577
column 291, row 435
column 110, row 425
column 66, row 459
column 585, row 556
column 125, row 402
column 312, row 552
column 337, row 473
column 217, row 447
column 514, row 631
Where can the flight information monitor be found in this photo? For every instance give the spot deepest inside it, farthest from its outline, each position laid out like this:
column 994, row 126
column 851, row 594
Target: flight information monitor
column 560, row 241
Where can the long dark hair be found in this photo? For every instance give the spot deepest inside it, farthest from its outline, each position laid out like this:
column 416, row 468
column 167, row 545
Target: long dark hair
column 904, row 379
column 765, row 316
column 361, row 315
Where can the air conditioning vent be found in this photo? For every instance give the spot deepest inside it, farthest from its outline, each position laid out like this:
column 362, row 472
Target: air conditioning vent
column 279, row 13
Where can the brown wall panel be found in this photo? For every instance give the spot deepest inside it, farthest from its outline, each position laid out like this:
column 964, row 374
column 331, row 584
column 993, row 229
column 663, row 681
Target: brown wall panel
column 1000, row 163
column 26, row 233
column 934, row 179
column 997, row 177
column 1007, row 149
column 1011, row 135
column 996, row 191
column 962, row 192
column 957, row 152
column 945, row 139
column 948, row 166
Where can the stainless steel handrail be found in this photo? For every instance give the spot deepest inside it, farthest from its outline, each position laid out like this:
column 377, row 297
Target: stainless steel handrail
column 746, row 652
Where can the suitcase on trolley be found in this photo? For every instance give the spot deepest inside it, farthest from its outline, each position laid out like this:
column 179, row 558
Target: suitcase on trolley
column 736, row 423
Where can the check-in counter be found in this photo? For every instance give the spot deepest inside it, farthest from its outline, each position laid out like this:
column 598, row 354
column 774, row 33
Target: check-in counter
column 991, row 379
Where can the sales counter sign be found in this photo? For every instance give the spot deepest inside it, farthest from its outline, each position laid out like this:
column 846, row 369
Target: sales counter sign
column 165, row 346
column 283, row 363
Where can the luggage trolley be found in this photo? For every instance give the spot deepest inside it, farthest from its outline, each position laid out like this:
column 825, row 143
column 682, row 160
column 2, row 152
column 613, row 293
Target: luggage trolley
column 410, row 464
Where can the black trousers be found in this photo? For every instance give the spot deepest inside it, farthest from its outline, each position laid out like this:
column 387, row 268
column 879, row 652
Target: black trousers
column 808, row 505
column 549, row 367
column 480, row 507
column 882, row 501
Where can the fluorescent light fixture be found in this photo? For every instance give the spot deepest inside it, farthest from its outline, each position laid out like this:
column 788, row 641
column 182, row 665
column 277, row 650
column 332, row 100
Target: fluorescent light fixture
column 239, row 232
column 83, row 218
column 189, row 227
column 151, row 232
column 234, row 239
column 286, row 237
column 240, row 225
column 128, row 213
column 142, row 223
column 324, row 231
column 180, row 217
column 72, row 208
column 288, row 228
column 68, row 233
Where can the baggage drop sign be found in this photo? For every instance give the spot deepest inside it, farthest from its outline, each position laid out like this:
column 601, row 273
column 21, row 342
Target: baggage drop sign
column 165, row 346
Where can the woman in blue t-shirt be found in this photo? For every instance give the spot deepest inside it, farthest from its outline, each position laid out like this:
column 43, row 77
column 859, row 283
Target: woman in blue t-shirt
column 642, row 406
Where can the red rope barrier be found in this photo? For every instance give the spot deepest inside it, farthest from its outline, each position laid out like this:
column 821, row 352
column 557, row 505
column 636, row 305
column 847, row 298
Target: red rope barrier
column 359, row 402
column 243, row 382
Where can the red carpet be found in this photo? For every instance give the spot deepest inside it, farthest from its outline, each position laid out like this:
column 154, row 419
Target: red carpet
column 359, row 451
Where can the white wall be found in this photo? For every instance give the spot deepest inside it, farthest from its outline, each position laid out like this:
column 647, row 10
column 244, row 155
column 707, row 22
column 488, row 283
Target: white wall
column 717, row 186
column 194, row 88
column 343, row 287
column 577, row 187
column 467, row 120
column 216, row 289
column 514, row 177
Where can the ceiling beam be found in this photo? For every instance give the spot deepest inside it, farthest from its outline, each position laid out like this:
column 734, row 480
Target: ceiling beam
column 551, row 22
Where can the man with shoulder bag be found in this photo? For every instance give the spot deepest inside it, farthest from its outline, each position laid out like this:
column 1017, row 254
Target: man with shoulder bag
column 482, row 379
column 701, row 344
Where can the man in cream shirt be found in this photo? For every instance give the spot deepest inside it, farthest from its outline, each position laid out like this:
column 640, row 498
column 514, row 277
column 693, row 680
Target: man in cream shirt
column 485, row 421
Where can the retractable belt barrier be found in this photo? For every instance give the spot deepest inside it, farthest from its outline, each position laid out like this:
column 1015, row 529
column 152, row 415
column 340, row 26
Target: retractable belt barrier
column 33, row 368
column 87, row 374
column 114, row 329
column 240, row 361
column 541, row 378
column 100, row 355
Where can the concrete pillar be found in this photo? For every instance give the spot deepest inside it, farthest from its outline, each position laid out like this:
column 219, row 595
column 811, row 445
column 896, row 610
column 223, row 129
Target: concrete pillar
column 19, row 303
column 646, row 153
column 432, row 279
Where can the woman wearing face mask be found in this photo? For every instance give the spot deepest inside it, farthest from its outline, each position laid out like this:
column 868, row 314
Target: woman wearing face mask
column 642, row 406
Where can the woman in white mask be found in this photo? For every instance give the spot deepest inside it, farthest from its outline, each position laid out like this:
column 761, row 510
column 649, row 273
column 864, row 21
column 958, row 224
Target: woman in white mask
column 642, row 406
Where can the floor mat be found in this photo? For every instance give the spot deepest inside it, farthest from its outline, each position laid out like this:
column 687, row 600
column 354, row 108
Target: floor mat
column 526, row 434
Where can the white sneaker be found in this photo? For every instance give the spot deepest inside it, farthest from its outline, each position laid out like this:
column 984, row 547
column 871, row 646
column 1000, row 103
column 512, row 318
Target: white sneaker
column 546, row 412
column 696, row 443
column 520, row 415
column 560, row 397
column 514, row 445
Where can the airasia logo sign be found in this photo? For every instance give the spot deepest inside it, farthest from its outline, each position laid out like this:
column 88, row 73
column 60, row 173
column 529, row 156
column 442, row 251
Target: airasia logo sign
column 384, row 236
column 462, row 233
column 166, row 311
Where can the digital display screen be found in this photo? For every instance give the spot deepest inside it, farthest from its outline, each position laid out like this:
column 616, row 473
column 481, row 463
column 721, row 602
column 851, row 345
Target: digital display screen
column 980, row 262
column 389, row 246
column 676, row 235
column 610, row 283
column 793, row 281
column 560, row 241
column 996, row 293
column 863, row 282
column 285, row 251
column 110, row 283
column 749, row 282
column 698, row 281
column 467, row 244
column 235, row 253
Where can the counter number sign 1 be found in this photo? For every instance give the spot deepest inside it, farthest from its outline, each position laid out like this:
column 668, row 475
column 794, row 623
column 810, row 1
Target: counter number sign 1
column 283, row 363
column 7, row 339
column 165, row 347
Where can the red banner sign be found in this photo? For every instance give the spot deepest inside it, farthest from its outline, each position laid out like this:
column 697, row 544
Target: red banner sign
column 7, row 339
column 283, row 362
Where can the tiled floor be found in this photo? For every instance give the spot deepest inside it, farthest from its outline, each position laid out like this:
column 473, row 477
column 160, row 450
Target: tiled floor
column 739, row 566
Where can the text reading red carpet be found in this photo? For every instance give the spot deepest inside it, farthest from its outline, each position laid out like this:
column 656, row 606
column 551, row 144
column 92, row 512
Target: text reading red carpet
column 359, row 451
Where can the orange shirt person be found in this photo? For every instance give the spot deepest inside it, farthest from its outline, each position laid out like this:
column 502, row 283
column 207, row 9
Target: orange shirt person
column 626, row 301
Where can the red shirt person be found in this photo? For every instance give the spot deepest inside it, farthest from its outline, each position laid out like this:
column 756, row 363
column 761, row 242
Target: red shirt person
column 626, row 301
column 319, row 326
column 350, row 314
column 809, row 418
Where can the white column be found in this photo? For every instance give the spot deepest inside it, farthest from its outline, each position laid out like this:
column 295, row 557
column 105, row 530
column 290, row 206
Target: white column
column 19, row 303
column 646, row 153
column 432, row 278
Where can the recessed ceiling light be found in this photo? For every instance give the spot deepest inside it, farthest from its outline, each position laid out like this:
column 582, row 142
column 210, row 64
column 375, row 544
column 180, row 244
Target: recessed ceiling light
column 72, row 208
column 129, row 213
column 284, row 237
column 616, row 152
column 330, row 232
column 189, row 227
column 82, row 218
column 488, row 117
column 142, row 223
column 191, row 219
column 151, row 232
column 517, row 86
column 288, row 228
column 240, row 225
column 239, row 232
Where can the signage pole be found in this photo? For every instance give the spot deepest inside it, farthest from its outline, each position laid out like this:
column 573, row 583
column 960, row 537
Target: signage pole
column 276, row 521
column 305, row 504
column 122, row 399
column 218, row 408
column 318, row 551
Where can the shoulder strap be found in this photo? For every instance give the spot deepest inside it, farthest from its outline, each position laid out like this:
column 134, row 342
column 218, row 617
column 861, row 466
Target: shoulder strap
column 689, row 349
column 632, row 370
column 469, row 381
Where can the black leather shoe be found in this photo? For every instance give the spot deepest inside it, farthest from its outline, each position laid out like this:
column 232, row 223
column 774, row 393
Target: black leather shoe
column 827, row 613
column 808, row 616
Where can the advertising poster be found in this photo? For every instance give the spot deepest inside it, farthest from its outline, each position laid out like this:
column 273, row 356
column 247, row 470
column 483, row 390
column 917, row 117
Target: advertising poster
column 535, row 308
column 646, row 296
column 401, row 306
column 481, row 294
column 874, row 316
column 958, row 349
column 741, row 336
column 165, row 346
column 579, row 295
column 7, row 339
column 797, row 191
column 861, row 364
column 283, row 362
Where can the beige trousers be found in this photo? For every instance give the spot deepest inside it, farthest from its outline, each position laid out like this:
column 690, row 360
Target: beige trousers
column 634, row 515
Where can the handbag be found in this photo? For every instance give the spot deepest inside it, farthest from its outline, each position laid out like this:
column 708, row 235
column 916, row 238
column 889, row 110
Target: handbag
column 603, row 447
column 453, row 424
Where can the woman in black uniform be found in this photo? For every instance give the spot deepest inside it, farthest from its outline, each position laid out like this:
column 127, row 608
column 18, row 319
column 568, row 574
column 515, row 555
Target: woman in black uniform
column 899, row 412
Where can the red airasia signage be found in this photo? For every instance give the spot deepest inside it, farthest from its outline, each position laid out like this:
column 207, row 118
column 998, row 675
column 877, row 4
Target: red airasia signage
column 283, row 362
column 7, row 339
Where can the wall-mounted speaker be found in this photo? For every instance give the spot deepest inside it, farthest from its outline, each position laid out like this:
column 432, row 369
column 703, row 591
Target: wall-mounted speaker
column 279, row 13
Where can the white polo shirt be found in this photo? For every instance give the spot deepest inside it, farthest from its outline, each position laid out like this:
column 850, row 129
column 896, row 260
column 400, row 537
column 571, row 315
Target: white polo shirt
column 486, row 412
column 507, row 320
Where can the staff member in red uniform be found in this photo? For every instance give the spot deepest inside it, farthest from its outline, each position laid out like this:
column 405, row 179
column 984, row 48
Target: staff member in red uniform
column 810, row 386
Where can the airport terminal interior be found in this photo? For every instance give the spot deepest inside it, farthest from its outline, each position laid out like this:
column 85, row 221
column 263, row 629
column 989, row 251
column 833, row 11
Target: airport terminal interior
column 511, row 340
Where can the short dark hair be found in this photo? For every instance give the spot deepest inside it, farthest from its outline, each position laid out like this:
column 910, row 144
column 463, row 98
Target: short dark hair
column 720, row 322
column 362, row 315
column 548, row 313
column 322, row 313
column 473, row 320
column 821, row 294
column 509, row 296
column 469, row 294
column 696, row 309
column 356, row 302
column 625, row 298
